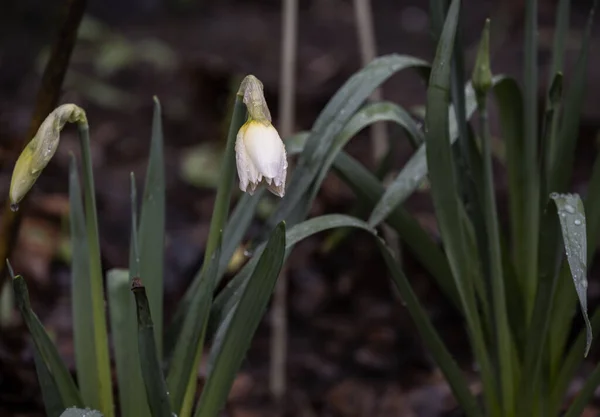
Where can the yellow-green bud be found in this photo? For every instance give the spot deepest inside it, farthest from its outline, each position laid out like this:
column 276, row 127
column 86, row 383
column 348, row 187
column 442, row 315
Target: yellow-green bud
column 260, row 153
column 40, row 150
column 482, row 74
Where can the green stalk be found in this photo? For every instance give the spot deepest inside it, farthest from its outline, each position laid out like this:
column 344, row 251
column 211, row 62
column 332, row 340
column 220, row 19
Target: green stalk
column 105, row 396
column 526, row 244
column 217, row 223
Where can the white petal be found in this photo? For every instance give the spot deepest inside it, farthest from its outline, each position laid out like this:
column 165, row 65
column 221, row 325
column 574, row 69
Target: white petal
column 247, row 172
column 265, row 149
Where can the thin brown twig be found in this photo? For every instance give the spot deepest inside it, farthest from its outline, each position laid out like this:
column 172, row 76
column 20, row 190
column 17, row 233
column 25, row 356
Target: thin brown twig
column 287, row 93
column 46, row 100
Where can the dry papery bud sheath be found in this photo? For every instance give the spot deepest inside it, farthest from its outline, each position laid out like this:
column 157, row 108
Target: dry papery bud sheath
column 40, row 150
column 260, row 153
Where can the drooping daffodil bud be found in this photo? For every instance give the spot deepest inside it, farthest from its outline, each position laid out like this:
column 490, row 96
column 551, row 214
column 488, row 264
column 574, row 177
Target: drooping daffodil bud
column 40, row 150
column 260, row 153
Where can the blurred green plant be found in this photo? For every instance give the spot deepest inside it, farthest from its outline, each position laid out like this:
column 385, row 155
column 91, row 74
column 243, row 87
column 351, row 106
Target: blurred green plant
column 513, row 289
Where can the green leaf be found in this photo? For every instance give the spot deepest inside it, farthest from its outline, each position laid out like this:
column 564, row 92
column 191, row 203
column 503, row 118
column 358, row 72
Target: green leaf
column 50, row 393
column 585, row 395
column 368, row 189
column 503, row 335
column 123, row 324
column 87, row 366
column 415, row 169
column 526, row 261
column 154, row 381
column 436, row 346
column 572, row 221
column 80, row 412
column 570, row 365
column 372, row 113
column 44, row 346
column 103, row 398
column 549, row 259
column 236, row 228
column 235, row 335
column 444, row 193
column 333, row 119
column 152, row 226
column 230, row 295
column 560, row 164
column 183, row 367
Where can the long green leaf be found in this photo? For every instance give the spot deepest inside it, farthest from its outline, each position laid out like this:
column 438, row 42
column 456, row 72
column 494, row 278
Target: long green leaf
column 503, row 336
column 123, row 324
column 572, row 221
column 217, row 223
column 367, row 188
column 445, row 194
column 561, row 159
column 439, row 351
column 230, row 295
column 372, row 113
column 156, row 388
column 234, row 337
column 549, row 259
column 88, row 374
column 50, row 393
column 526, row 242
column 152, row 226
column 332, row 120
column 44, row 346
column 103, row 397
column 585, row 395
column 183, row 366
column 561, row 34
column 570, row 364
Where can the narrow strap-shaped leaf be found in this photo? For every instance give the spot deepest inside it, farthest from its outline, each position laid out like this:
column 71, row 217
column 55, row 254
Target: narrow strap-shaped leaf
column 156, row 388
column 236, row 228
column 88, row 374
column 570, row 365
column 332, row 120
column 372, row 113
column 183, row 366
column 152, row 226
column 503, row 335
column 103, row 397
column 220, row 212
column 432, row 340
column 549, row 259
column 572, row 220
column 366, row 186
column 444, row 193
column 50, row 393
column 43, row 344
column 585, row 395
column 528, row 236
column 560, row 164
column 235, row 335
column 123, row 324
column 229, row 296
column 561, row 34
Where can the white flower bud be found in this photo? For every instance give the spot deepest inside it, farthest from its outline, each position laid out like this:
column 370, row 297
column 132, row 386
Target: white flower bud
column 260, row 157
column 260, row 153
